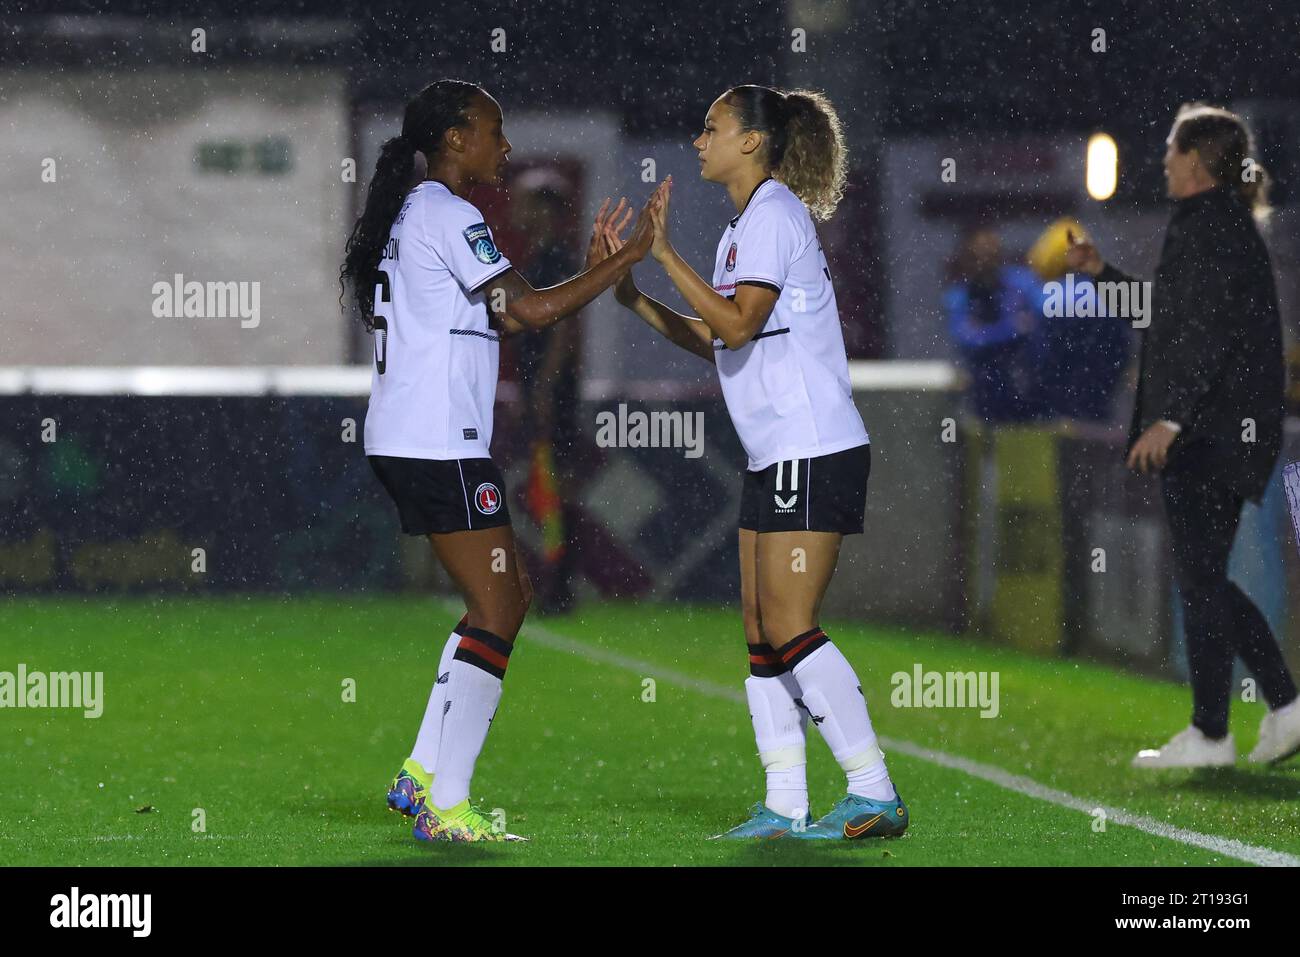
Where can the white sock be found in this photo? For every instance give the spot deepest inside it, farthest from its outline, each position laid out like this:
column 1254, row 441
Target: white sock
column 425, row 752
column 473, row 694
column 779, row 732
column 868, row 776
column 833, row 696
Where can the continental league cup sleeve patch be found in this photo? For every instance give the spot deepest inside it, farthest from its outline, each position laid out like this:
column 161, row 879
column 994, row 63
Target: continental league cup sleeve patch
column 480, row 241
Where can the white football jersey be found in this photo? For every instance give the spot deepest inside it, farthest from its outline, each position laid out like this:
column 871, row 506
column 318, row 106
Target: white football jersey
column 435, row 375
column 787, row 389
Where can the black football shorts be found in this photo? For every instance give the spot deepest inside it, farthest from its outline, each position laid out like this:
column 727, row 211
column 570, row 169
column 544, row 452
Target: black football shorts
column 452, row 495
column 823, row 494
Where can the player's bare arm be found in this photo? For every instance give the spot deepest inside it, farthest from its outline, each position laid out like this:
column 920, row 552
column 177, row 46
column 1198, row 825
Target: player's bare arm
column 518, row 307
column 734, row 321
column 688, row 332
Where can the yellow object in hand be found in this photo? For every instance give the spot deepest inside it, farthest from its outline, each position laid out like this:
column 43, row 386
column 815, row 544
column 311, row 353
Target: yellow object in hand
column 1047, row 255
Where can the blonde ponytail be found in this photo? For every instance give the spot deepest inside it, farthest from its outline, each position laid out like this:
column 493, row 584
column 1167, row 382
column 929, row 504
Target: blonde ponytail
column 805, row 141
column 814, row 165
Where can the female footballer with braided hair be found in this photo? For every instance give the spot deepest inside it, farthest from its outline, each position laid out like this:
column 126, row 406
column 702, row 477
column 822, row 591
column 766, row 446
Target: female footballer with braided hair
column 769, row 322
column 437, row 295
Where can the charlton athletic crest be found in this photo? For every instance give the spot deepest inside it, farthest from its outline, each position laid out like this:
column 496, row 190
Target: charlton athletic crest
column 731, row 258
column 487, row 498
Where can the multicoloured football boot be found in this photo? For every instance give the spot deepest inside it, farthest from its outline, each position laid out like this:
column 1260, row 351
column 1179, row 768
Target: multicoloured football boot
column 460, row 824
column 409, row 789
column 854, row 818
column 763, row 823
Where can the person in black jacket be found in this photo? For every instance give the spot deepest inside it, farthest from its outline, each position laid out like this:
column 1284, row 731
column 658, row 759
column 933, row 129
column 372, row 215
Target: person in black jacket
column 1208, row 418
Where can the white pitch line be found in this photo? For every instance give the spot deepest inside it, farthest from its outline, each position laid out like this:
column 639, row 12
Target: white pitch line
column 1262, row 856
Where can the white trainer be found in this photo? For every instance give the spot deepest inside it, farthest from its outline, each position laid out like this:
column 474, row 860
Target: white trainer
column 1189, row 748
column 1279, row 735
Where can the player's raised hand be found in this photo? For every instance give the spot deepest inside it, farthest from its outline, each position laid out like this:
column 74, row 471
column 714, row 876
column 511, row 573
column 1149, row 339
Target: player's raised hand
column 643, row 232
column 660, row 247
column 625, row 290
column 614, row 229
column 597, row 248
column 1081, row 255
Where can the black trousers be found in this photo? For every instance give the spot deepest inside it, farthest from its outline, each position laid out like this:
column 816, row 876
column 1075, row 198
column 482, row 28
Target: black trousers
column 1219, row 621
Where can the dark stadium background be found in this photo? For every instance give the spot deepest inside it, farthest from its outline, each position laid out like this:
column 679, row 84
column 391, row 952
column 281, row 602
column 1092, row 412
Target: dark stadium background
column 978, row 76
column 186, row 509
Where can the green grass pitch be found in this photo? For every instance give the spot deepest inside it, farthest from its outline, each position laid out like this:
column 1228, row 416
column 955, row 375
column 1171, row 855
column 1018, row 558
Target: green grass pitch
column 235, row 706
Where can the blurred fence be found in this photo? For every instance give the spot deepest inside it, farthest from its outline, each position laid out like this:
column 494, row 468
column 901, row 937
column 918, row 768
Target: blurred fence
column 145, row 481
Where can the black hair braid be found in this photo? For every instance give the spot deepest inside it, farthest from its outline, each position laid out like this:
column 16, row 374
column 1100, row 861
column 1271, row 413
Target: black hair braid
column 437, row 108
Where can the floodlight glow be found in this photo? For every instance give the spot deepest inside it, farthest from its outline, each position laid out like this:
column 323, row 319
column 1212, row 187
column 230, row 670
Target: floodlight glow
column 1103, row 166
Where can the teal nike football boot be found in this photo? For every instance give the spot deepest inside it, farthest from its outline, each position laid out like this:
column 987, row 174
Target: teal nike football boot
column 763, row 823
column 855, row 818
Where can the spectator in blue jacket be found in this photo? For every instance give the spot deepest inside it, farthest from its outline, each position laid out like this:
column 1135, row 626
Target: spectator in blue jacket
column 1083, row 354
column 994, row 313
